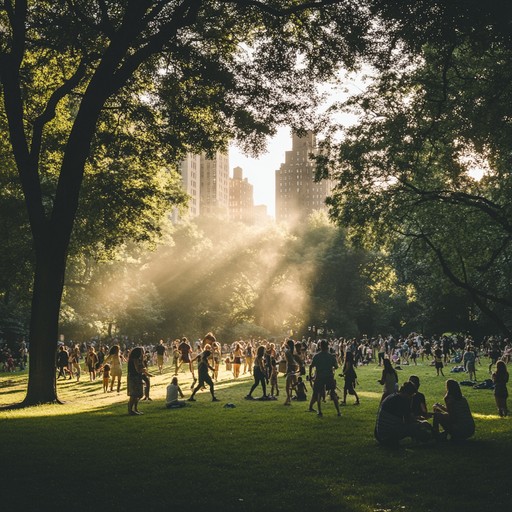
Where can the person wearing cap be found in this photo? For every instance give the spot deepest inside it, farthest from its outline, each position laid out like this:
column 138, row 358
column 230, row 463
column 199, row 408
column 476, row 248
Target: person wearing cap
column 394, row 419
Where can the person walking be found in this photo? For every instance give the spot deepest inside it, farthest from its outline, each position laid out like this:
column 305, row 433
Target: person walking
column 324, row 363
column 259, row 373
column 203, row 376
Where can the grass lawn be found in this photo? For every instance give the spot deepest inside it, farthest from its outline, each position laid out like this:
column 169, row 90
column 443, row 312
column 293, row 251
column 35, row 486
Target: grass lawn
column 88, row 454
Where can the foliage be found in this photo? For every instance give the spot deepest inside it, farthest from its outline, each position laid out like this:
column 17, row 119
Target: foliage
column 405, row 171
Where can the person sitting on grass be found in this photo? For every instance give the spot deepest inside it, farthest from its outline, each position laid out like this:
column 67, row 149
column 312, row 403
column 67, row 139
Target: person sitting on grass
column 300, row 391
column 454, row 416
column 395, row 420
column 203, row 376
column 173, row 391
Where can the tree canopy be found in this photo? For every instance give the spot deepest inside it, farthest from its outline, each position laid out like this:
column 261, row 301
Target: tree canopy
column 425, row 172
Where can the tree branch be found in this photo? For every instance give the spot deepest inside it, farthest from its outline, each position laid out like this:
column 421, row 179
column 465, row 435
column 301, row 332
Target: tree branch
column 49, row 112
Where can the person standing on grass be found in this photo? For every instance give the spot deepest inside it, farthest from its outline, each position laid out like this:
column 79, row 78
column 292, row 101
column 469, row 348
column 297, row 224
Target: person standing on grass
column 389, row 379
column 74, row 361
column 292, row 369
column 237, row 359
column 350, row 376
column 324, row 364
column 500, row 379
column 135, row 383
column 185, row 356
column 204, row 377
column 91, row 359
column 259, row 373
column 115, row 359
column 438, row 361
column 469, row 360
column 160, row 350
column 216, row 356
column 63, row 362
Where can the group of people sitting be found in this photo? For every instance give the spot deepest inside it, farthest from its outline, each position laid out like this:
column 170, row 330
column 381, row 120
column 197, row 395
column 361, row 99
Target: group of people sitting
column 404, row 414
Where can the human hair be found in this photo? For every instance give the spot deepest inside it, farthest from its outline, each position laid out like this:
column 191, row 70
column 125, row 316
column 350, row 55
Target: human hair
column 324, row 345
column 388, row 368
column 408, row 388
column 415, row 380
column 501, row 368
column 114, row 350
column 135, row 353
column 453, row 389
column 261, row 351
column 349, row 357
column 174, row 381
column 290, row 344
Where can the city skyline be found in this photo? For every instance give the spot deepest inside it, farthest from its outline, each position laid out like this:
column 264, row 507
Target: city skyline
column 260, row 171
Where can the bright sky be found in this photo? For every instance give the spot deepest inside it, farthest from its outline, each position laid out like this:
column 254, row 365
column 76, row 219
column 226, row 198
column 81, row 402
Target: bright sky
column 260, row 172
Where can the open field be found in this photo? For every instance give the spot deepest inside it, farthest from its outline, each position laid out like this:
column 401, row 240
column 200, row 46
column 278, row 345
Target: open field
column 89, row 454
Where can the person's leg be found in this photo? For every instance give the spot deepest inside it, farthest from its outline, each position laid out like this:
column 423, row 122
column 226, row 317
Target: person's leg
column 357, row 396
column 336, row 400
column 312, row 402
column 255, row 384
column 319, row 403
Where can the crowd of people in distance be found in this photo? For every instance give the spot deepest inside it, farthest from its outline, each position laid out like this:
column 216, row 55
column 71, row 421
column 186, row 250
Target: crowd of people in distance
column 402, row 410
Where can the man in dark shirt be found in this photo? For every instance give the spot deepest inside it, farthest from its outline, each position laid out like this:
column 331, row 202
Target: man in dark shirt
column 394, row 419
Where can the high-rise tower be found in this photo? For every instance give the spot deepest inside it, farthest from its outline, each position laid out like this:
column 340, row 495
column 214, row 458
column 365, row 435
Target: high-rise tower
column 297, row 194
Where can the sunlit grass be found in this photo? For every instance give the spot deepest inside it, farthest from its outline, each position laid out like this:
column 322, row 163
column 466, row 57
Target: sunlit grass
column 259, row 455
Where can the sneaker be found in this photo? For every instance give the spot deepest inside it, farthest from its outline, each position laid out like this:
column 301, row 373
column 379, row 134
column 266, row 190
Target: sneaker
column 191, row 399
column 248, row 397
column 214, row 399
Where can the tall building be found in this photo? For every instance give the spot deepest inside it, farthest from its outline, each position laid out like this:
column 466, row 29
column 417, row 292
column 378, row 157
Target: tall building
column 190, row 175
column 215, row 184
column 241, row 198
column 297, row 194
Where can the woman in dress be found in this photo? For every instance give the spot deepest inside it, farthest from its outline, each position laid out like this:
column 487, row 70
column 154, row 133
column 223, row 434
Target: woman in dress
column 389, row 379
column 135, row 382
column 115, row 359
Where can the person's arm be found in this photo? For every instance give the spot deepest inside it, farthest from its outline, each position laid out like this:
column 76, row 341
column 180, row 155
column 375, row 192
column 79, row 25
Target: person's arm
column 181, row 392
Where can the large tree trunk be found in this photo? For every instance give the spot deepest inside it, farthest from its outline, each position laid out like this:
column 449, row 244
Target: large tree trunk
column 44, row 324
